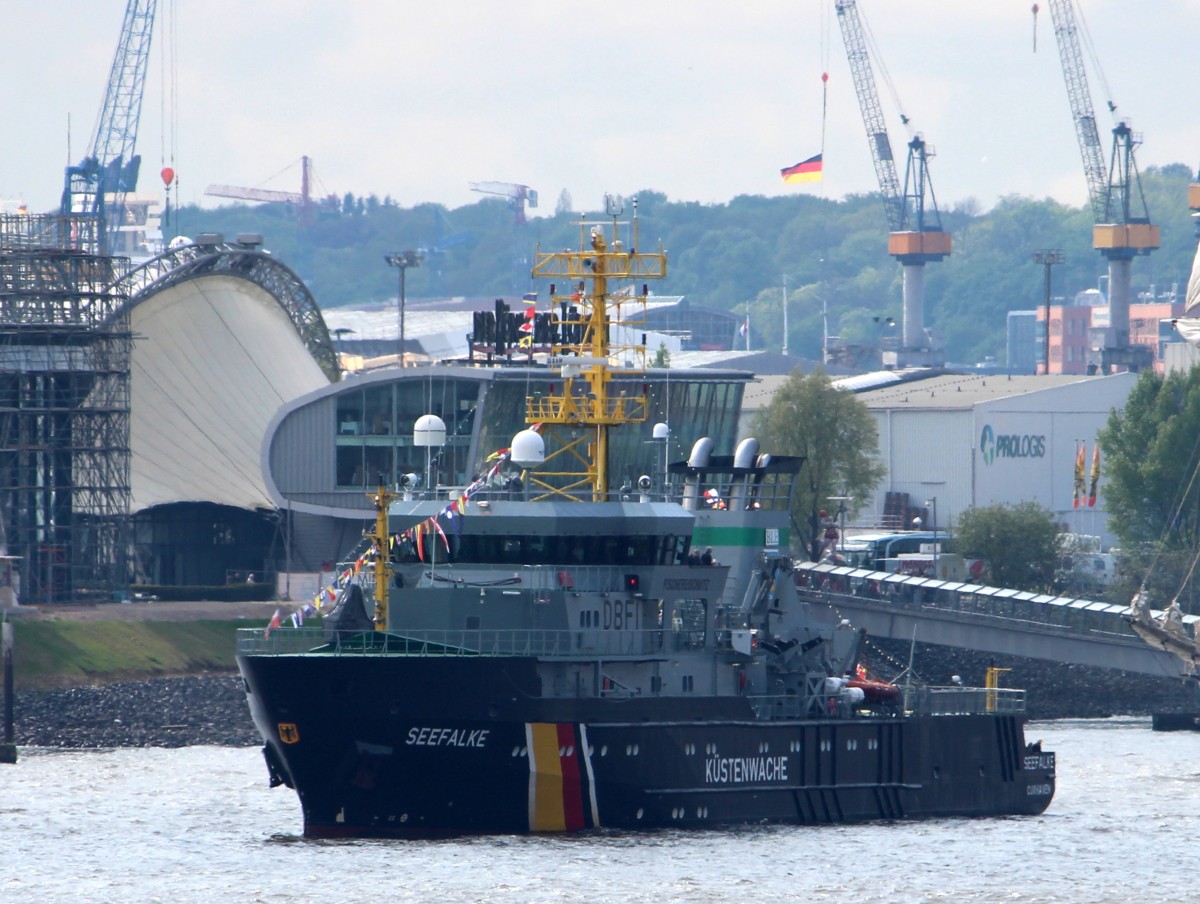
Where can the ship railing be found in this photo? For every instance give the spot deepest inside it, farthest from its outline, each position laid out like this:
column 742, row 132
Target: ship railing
column 934, row 701
column 945, row 701
column 439, row 642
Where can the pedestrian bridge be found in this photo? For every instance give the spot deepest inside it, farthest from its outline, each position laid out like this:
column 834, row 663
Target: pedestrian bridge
column 987, row 619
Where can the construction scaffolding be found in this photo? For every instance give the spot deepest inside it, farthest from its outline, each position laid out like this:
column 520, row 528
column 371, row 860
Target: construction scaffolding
column 65, row 344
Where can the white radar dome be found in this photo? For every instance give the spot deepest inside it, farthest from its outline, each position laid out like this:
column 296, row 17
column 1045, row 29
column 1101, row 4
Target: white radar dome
column 429, row 430
column 528, row 449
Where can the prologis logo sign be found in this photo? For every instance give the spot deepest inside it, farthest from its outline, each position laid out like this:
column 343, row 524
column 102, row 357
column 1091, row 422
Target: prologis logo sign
column 1010, row 445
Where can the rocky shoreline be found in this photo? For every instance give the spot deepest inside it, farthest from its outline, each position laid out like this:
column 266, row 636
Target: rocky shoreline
column 161, row 712
column 1054, row 690
column 211, row 709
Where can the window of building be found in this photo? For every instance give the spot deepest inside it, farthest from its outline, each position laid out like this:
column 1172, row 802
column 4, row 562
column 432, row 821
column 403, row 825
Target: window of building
column 375, row 427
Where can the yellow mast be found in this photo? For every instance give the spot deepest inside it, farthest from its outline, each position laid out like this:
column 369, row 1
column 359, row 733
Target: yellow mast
column 382, row 498
column 597, row 262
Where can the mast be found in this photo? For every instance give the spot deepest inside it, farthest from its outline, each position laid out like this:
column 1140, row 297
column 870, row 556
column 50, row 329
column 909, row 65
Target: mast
column 582, row 347
column 382, row 498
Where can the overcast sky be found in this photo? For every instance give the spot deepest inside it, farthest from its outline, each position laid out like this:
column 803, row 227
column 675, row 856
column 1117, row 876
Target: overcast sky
column 700, row 99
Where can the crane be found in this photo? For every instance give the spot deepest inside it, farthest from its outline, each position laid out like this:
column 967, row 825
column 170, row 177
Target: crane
column 111, row 167
column 916, row 236
column 1122, row 229
column 271, row 196
column 518, row 196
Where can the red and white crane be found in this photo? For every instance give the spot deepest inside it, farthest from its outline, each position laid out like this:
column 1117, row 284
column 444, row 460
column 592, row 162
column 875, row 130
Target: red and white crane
column 518, row 196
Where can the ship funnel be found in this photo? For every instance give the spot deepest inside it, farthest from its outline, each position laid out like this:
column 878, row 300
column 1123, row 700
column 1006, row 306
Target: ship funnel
column 701, row 454
column 744, row 457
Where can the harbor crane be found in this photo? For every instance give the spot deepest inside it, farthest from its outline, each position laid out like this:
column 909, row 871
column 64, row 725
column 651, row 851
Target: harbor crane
column 916, row 236
column 518, row 196
column 303, row 199
column 97, row 185
column 1122, row 229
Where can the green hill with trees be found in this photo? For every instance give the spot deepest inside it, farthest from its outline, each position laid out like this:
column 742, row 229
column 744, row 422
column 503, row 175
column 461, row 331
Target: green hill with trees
column 734, row 256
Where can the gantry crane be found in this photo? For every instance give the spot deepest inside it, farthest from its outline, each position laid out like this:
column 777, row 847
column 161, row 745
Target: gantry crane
column 916, row 236
column 1122, row 227
column 97, row 185
column 518, row 196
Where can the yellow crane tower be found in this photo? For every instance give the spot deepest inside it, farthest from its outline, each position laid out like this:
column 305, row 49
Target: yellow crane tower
column 1122, row 229
column 916, row 236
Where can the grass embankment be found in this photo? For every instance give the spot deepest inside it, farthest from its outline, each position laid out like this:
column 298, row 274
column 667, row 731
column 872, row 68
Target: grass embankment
column 56, row 654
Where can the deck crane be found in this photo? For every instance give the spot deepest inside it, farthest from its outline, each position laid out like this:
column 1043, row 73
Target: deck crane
column 916, row 236
column 98, row 184
column 518, row 196
column 1122, row 227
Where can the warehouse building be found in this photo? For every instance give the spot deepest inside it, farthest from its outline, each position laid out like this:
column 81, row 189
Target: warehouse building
column 950, row 441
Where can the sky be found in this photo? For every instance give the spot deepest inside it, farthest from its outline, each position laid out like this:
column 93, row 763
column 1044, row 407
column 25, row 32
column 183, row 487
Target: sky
column 698, row 99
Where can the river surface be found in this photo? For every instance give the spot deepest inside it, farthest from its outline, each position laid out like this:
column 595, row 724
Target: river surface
column 199, row 824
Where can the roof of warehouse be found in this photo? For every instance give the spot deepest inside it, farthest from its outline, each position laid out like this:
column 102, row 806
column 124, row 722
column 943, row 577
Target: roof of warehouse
column 956, row 391
column 930, row 389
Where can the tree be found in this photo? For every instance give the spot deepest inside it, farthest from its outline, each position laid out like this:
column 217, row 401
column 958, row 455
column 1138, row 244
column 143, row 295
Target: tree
column 662, row 357
column 1149, row 461
column 1018, row 542
column 839, row 440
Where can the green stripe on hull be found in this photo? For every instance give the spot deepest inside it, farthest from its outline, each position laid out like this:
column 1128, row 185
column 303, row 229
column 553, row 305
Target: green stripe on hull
column 754, row 537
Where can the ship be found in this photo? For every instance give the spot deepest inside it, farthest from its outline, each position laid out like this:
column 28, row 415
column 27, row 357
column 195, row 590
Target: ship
column 553, row 647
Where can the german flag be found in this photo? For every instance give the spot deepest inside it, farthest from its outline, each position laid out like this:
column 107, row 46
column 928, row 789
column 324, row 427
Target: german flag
column 805, row 171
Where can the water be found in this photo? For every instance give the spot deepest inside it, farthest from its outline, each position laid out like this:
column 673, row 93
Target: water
column 199, row 824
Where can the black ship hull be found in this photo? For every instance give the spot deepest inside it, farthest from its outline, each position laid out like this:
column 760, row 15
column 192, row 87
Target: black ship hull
column 393, row 746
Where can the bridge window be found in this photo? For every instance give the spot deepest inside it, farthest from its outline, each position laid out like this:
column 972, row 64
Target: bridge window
column 690, row 623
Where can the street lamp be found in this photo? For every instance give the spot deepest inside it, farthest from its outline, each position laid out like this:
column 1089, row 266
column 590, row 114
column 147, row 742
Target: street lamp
column 402, row 261
column 1048, row 259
